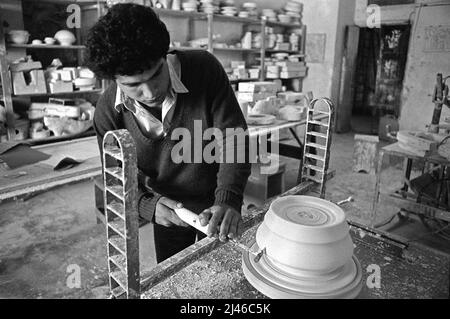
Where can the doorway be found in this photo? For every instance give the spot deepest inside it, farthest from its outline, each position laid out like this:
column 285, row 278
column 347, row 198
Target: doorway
column 378, row 79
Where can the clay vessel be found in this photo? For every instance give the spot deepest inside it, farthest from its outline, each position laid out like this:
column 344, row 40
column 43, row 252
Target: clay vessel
column 305, row 235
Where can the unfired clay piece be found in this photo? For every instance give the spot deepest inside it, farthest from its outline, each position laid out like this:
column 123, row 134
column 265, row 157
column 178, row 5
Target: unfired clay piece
column 309, row 252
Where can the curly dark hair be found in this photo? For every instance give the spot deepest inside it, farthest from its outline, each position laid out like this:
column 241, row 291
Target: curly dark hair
column 128, row 40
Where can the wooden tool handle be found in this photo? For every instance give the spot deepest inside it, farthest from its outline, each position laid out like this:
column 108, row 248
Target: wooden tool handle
column 192, row 219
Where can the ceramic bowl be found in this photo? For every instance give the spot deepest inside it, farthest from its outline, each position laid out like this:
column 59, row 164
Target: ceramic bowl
column 18, row 36
column 49, row 40
column 305, row 234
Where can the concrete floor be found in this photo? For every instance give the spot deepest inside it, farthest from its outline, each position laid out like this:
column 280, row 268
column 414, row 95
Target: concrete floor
column 43, row 237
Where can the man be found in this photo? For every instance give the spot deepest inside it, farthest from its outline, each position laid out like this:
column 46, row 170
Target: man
column 155, row 92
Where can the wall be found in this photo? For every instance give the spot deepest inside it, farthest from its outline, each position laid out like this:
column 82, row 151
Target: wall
column 422, row 66
column 329, row 17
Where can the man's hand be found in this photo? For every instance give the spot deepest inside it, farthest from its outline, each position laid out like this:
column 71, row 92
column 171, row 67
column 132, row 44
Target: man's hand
column 223, row 220
column 165, row 214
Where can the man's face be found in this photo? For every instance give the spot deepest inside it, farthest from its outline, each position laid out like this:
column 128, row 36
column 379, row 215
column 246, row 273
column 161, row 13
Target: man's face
column 149, row 87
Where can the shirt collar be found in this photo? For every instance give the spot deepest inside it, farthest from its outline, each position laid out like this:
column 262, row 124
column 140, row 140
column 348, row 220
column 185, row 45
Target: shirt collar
column 177, row 86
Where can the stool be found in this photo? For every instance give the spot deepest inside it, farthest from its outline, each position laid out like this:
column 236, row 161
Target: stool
column 261, row 187
column 365, row 153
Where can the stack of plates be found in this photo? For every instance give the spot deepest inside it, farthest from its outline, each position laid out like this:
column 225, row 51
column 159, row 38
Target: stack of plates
column 229, row 11
column 209, row 6
column 294, row 9
column 190, row 6
column 284, row 18
column 270, row 14
column 249, row 10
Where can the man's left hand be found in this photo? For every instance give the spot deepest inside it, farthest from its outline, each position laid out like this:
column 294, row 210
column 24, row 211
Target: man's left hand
column 223, row 220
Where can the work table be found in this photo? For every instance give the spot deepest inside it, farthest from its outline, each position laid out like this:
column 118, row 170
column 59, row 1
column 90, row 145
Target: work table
column 212, row 270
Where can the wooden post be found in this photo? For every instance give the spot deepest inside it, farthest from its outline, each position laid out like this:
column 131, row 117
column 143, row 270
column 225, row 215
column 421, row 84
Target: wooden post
column 262, row 74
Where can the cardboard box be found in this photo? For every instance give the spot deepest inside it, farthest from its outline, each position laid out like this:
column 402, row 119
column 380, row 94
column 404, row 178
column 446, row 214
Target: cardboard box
column 238, row 64
column 60, row 86
column 252, row 97
column 293, row 69
column 283, row 46
column 258, row 87
column 289, row 64
column 294, row 74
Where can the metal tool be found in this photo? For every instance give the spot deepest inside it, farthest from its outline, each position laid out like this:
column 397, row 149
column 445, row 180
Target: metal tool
column 345, row 201
column 193, row 220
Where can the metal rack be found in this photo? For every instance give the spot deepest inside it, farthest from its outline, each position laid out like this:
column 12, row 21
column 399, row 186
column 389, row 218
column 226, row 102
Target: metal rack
column 316, row 154
column 6, row 94
column 121, row 214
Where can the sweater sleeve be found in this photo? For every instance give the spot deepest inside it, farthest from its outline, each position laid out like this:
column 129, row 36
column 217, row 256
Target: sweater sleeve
column 106, row 118
column 227, row 114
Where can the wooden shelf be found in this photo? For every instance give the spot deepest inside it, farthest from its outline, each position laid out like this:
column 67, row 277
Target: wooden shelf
column 181, row 13
column 186, row 48
column 202, row 15
column 284, row 51
column 60, row 93
column 237, row 19
column 243, row 80
column 54, row 139
column 285, row 25
column 46, row 46
column 236, row 49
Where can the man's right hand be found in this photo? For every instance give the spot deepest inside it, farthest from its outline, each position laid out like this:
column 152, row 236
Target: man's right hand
column 165, row 213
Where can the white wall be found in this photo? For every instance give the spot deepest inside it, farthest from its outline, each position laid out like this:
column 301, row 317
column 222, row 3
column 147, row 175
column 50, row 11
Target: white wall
column 329, row 17
column 421, row 69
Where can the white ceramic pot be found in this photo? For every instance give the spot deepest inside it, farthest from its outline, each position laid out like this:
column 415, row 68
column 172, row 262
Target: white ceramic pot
column 65, row 37
column 49, row 40
column 18, row 36
column 303, row 234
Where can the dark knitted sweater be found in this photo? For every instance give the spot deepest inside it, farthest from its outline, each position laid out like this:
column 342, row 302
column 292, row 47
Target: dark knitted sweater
column 197, row 185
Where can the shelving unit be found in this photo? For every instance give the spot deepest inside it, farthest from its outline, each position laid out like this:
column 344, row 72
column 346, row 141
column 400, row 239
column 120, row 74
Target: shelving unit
column 211, row 20
column 7, row 96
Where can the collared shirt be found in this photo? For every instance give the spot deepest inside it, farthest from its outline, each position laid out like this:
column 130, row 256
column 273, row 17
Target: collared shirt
column 151, row 125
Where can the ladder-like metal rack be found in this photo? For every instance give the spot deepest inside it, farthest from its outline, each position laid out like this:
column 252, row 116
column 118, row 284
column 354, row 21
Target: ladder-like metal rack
column 316, row 153
column 121, row 214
